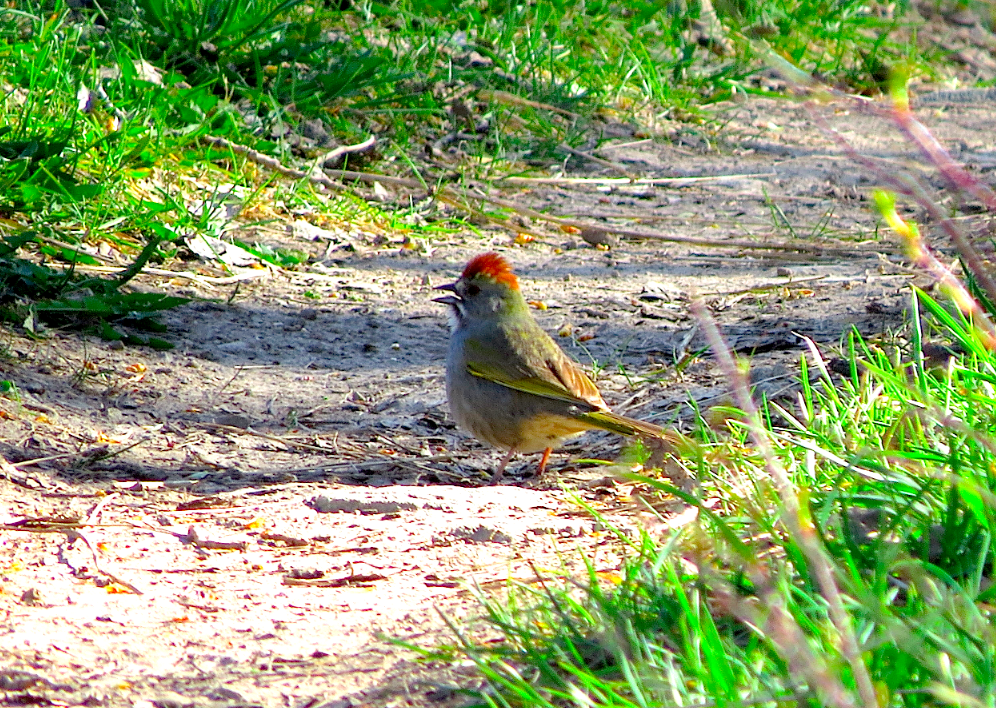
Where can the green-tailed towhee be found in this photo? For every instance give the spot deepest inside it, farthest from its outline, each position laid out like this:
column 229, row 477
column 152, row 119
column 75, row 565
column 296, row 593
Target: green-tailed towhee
column 507, row 381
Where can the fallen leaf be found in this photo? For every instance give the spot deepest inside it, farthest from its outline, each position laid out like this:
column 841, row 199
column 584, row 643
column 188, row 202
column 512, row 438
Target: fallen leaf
column 611, row 577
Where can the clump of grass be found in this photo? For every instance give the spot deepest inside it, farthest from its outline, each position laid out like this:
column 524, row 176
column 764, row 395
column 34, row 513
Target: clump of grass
column 615, row 60
column 66, row 163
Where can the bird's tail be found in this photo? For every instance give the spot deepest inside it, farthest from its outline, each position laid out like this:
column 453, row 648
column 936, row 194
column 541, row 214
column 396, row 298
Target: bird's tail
column 607, row 420
column 659, row 441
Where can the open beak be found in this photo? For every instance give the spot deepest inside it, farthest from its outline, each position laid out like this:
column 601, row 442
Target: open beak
column 451, row 300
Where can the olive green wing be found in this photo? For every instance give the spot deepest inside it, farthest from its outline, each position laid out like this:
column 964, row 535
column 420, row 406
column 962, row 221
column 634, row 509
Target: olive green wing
column 545, row 370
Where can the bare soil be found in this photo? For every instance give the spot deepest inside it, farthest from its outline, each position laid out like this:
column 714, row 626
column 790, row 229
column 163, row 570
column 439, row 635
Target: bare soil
column 250, row 518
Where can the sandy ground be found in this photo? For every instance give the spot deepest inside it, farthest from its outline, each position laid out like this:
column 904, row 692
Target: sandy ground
column 250, row 518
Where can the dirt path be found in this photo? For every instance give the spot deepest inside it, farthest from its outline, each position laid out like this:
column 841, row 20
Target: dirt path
column 285, row 489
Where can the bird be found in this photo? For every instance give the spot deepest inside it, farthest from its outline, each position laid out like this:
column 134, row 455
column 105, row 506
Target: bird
column 507, row 381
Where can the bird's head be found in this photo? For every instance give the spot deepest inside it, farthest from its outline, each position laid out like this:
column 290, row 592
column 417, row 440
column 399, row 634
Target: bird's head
column 486, row 289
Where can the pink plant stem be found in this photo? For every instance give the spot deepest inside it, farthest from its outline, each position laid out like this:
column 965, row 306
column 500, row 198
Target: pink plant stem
column 907, row 185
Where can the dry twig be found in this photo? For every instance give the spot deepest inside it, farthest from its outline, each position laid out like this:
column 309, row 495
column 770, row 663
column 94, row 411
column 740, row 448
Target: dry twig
column 460, row 199
column 72, row 528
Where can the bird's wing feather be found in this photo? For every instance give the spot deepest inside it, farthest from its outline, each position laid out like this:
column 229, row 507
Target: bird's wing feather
column 526, row 384
column 555, row 376
column 573, row 379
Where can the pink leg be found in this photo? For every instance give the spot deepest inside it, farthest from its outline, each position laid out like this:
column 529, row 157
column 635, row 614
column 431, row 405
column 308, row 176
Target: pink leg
column 501, row 468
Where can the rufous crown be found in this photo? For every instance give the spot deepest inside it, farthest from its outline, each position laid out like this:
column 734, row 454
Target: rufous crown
column 493, row 267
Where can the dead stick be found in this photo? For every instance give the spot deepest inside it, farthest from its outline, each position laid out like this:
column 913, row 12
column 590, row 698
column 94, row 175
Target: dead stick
column 458, row 199
column 615, row 167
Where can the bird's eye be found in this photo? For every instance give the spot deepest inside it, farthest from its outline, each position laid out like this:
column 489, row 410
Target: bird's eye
column 473, row 289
